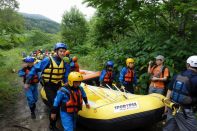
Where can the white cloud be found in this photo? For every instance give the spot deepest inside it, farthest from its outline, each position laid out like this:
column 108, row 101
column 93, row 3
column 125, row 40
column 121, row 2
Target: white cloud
column 53, row 9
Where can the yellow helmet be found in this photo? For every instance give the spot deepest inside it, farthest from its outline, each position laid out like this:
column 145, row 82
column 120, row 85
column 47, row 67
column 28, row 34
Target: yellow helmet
column 74, row 76
column 129, row 60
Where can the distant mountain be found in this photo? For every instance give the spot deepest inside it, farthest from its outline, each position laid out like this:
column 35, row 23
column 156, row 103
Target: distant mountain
column 36, row 21
column 36, row 16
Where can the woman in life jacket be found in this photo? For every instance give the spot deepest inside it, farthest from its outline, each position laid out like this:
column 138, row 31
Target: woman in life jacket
column 69, row 98
column 159, row 75
column 107, row 75
column 31, row 92
column 128, row 78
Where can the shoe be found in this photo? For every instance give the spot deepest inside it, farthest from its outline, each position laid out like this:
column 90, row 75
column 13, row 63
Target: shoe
column 32, row 109
column 53, row 128
column 33, row 115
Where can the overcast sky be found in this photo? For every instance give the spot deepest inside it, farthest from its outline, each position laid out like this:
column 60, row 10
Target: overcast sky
column 53, row 9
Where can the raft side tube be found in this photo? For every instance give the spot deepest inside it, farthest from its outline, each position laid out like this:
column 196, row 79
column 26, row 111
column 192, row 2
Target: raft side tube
column 128, row 122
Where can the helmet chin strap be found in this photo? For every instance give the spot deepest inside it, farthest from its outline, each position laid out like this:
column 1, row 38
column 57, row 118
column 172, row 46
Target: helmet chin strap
column 130, row 67
column 109, row 69
column 191, row 68
column 57, row 54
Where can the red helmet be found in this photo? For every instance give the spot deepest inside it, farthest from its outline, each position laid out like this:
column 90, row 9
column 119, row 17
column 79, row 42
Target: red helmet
column 67, row 52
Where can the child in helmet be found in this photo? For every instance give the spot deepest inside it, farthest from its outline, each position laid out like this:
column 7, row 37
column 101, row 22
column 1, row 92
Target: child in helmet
column 127, row 76
column 31, row 92
column 69, row 98
column 107, row 75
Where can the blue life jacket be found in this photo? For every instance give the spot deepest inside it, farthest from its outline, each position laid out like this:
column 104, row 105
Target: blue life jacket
column 181, row 92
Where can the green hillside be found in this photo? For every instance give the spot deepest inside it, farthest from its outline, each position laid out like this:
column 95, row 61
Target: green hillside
column 36, row 21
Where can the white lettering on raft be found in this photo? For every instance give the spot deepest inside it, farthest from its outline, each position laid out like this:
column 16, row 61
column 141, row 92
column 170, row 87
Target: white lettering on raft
column 125, row 107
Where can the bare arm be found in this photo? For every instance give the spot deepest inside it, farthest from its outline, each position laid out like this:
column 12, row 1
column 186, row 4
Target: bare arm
column 162, row 79
column 168, row 94
column 149, row 67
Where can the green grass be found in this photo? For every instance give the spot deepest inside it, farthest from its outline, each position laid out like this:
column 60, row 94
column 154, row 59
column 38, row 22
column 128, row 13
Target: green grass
column 9, row 80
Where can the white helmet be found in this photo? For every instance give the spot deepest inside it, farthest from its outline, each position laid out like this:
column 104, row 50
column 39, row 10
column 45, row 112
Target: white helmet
column 192, row 61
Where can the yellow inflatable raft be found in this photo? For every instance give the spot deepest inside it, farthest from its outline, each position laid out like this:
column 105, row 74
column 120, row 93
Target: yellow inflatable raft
column 116, row 110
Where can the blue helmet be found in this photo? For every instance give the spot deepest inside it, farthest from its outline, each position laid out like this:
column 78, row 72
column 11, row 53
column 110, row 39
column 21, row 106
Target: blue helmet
column 60, row 45
column 29, row 59
column 110, row 63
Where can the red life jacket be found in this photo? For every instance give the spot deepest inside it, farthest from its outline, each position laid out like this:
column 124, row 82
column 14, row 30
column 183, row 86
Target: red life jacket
column 75, row 101
column 75, row 67
column 108, row 77
column 35, row 78
column 129, row 76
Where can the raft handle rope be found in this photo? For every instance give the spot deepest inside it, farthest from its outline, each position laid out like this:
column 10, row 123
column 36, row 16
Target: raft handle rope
column 124, row 93
column 109, row 99
column 115, row 91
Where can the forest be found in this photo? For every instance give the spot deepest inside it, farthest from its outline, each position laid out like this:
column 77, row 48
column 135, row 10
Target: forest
column 141, row 29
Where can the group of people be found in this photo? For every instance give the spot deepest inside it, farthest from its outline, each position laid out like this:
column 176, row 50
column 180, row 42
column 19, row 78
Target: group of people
column 181, row 90
column 62, row 87
column 128, row 79
column 61, row 83
column 40, row 54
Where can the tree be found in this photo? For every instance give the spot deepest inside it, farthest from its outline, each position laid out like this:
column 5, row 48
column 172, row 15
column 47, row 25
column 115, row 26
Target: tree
column 10, row 20
column 113, row 21
column 143, row 29
column 39, row 38
column 11, row 4
column 11, row 24
column 73, row 27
